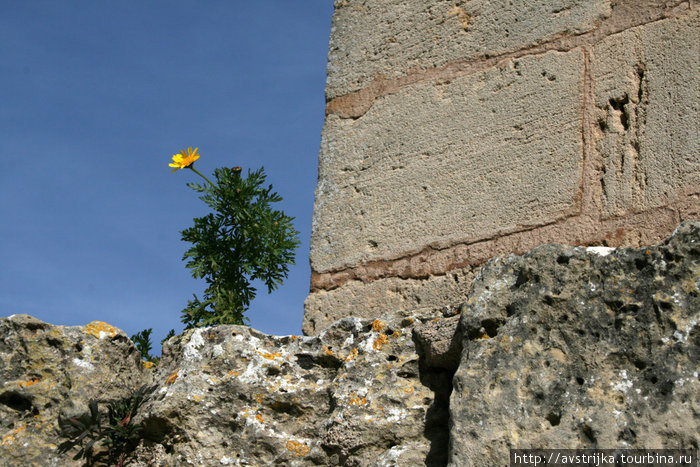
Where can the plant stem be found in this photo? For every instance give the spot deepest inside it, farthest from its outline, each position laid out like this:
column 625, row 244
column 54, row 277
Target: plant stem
column 205, row 178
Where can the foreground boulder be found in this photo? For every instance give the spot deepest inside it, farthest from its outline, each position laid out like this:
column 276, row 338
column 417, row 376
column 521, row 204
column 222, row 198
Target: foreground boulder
column 48, row 371
column 580, row 348
column 562, row 347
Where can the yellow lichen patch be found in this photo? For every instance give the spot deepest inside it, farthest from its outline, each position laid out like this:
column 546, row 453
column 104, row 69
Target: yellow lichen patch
column 197, row 398
column 258, row 398
column 147, row 364
column 379, row 343
column 351, row 356
column 327, row 350
column 408, row 389
column 358, row 401
column 299, row 449
column 484, row 336
column 171, row 379
column 396, row 334
column 377, row 325
column 11, row 437
column 270, row 356
column 24, row 384
column 100, row 329
column 233, row 373
column 259, row 418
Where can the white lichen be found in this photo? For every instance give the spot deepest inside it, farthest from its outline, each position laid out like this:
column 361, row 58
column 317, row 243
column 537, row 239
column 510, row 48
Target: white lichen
column 83, row 364
column 600, row 250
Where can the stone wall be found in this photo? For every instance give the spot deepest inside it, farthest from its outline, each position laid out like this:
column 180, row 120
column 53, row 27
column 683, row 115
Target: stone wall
column 460, row 130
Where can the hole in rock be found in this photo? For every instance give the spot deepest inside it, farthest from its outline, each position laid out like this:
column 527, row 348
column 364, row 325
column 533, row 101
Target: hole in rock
column 553, row 418
column 16, row 401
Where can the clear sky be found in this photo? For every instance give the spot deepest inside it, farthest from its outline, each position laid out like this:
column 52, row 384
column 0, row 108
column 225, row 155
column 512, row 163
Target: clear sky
column 95, row 98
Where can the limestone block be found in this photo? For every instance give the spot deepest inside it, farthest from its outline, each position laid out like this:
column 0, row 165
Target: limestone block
column 580, row 348
column 647, row 97
column 384, row 297
column 388, row 38
column 450, row 162
column 241, row 397
column 49, row 371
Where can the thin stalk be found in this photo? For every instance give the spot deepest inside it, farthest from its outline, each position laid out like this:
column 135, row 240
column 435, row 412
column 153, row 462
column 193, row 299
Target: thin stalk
column 205, row 178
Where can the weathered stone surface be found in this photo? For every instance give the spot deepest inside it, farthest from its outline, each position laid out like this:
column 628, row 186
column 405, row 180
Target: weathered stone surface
column 349, row 396
column 388, row 38
column 472, row 157
column 47, row 371
column 573, row 347
column 391, row 297
column 648, row 104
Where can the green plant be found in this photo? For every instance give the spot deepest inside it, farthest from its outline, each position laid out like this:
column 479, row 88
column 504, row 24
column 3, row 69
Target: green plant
column 142, row 340
column 242, row 240
column 114, row 431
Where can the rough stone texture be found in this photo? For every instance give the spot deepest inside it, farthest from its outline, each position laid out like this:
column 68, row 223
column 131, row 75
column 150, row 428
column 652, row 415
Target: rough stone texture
column 388, row 38
column 457, row 131
column 562, row 347
column 580, row 348
column 47, row 371
column 482, row 139
column 388, row 297
column 352, row 395
column 648, row 103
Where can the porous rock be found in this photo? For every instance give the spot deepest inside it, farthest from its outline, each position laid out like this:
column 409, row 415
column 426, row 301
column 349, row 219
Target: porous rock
column 47, row 371
column 580, row 348
column 349, row 396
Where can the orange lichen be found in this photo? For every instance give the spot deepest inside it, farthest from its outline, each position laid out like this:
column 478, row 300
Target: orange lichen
column 299, row 449
column 97, row 328
column 379, row 343
column 351, row 356
column 327, row 350
column 171, row 379
column 396, row 334
column 11, row 437
column 294, row 338
column 270, row 356
column 408, row 389
column 358, row 401
column 147, row 364
column 233, row 373
column 377, row 325
column 24, row 384
column 259, row 418
column 258, row 398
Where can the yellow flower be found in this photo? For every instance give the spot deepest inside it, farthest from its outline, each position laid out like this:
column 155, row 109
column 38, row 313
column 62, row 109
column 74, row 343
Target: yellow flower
column 184, row 159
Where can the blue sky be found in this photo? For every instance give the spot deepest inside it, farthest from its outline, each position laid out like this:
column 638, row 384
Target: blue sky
column 95, row 99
